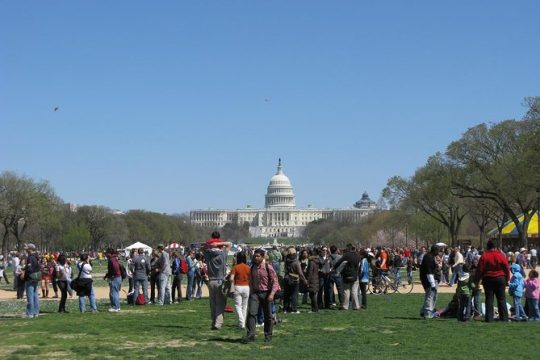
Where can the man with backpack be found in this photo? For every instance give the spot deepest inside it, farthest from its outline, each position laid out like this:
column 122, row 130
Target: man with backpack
column 349, row 273
column 264, row 285
column 215, row 252
column 32, row 275
column 141, row 270
column 114, row 276
column 179, row 268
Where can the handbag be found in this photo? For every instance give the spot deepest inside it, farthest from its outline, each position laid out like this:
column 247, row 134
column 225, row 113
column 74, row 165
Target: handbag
column 226, row 287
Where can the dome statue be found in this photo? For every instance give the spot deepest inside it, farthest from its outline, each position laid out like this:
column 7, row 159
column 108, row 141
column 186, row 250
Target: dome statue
column 280, row 191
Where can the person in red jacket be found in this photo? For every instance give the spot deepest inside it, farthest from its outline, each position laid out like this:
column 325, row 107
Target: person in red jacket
column 494, row 272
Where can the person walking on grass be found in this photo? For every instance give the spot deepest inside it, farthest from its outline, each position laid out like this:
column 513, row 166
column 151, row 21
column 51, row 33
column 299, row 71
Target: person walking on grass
column 114, row 276
column 215, row 252
column 240, row 275
column 465, row 286
column 32, row 273
column 264, row 285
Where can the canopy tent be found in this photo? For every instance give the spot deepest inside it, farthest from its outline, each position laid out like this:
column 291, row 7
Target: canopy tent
column 510, row 229
column 138, row 245
column 173, row 245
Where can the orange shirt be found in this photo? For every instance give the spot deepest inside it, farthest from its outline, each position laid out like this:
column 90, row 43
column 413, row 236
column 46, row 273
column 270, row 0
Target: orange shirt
column 241, row 274
column 384, row 260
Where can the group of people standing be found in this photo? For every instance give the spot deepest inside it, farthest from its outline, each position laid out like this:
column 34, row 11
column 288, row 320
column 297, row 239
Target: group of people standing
column 492, row 269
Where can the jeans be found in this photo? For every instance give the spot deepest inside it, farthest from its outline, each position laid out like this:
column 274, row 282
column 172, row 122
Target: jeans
column 430, row 298
column 177, row 287
column 534, row 312
column 313, row 300
column 519, row 312
column 257, row 299
column 164, row 289
column 495, row 287
column 114, row 292
column 351, row 290
column 324, row 291
column 197, row 286
column 336, row 280
column 137, row 283
column 190, row 285
column 32, row 308
column 241, row 297
column 476, row 310
column 92, row 297
column 290, row 297
column 217, row 303
column 464, row 310
column 20, row 289
column 456, row 272
column 154, row 282
column 363, row 291
column 63, row 285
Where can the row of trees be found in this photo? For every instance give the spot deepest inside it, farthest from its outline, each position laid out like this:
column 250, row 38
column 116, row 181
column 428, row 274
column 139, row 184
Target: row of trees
column 489, row 176
column 30, row 211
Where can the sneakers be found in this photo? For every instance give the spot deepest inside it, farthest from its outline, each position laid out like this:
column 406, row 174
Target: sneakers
column 295, row 312
column 114, row 310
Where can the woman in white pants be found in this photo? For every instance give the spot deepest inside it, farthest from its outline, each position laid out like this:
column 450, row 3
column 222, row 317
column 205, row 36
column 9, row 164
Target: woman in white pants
column 239, row 275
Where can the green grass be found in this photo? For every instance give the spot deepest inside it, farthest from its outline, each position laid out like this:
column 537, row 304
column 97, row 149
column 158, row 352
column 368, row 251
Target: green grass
column 389, row 329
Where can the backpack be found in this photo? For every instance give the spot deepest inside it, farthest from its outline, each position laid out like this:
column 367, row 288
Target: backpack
column 397, row 261
column 183, row 266
column 389, row 260
column 123, row 271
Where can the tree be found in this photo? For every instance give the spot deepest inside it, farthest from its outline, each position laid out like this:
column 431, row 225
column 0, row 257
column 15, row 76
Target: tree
column 500, row 163
column 429, row 191
column 23, row 203
column 96, row 219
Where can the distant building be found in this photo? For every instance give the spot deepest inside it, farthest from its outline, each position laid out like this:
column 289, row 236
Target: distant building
column 280, row 217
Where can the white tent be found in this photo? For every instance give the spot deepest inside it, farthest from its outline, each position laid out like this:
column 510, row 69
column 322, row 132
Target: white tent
column 138, row 245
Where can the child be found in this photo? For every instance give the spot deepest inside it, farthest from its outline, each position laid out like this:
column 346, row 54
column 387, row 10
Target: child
column 515, row 288
column 464, row 290
column 476, row 310
column 532, row 294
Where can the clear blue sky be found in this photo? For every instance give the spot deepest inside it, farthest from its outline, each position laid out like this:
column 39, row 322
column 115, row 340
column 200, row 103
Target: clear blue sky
column 174, row 105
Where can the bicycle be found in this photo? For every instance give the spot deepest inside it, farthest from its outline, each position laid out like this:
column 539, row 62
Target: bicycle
column 388, row 282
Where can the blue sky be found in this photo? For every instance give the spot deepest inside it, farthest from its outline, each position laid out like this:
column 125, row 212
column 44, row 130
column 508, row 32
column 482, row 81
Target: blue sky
column 174, row 105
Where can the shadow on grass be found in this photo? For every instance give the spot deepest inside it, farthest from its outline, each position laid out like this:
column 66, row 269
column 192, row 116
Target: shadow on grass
column 171, row 327
column 226, row 340
column 404, row 318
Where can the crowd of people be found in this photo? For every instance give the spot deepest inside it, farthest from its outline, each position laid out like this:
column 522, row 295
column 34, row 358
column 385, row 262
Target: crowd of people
column 264, row 283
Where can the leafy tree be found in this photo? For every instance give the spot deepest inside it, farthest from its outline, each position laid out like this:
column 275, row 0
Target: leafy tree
column 429, row 191
column 500, row 163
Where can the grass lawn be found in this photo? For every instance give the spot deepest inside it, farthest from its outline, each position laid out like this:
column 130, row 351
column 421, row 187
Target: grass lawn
column 389, row 329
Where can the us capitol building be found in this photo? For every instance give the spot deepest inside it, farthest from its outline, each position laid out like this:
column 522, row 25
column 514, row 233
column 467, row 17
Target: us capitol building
column 280, row 217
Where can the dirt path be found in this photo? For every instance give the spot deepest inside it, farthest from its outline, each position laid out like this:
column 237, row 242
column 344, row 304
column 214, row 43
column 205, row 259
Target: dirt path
column 103, row 292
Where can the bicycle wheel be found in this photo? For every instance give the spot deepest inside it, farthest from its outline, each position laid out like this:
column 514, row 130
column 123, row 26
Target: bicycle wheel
column 391, row 283
column 407, row 284
column 376, row 287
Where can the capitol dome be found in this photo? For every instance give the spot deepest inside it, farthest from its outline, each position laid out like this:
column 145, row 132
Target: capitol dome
column 280, row 191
